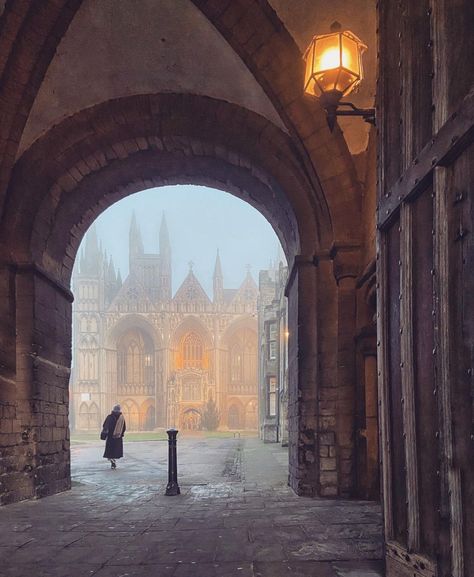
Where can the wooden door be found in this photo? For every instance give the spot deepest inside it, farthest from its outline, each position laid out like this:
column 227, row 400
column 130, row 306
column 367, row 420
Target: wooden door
column 425, row 269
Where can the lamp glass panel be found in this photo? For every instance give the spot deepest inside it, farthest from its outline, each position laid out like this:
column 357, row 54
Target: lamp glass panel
column 346, row 82
column 327, row 80
column 327, row 53
column 308, row 78
column 350, row 54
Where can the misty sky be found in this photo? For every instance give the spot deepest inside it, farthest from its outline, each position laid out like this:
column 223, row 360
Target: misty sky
column 200, row 220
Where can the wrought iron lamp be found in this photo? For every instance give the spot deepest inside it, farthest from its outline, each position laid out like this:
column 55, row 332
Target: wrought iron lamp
column 333, row 70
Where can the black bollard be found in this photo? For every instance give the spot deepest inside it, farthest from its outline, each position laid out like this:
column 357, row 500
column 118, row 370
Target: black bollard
column 172, row 488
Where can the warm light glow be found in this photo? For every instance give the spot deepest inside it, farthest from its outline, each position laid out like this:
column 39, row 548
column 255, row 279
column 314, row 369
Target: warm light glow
column 331, row 58
column 287, row 334
column 334, row 64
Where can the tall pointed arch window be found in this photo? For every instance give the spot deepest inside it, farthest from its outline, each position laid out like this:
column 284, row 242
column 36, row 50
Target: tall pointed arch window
column 192, row 351
column 243, row 361
column 250, row 360
column 134, row 368
column 135, row 359
column 88, row 359
column 236, row 362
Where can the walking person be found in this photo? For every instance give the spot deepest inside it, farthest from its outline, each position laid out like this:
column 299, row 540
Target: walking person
column 113, row 431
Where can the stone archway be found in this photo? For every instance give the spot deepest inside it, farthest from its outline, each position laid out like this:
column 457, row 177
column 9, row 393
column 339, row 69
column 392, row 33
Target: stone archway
column 234, row 416
column 191, row 420
column 114, row 149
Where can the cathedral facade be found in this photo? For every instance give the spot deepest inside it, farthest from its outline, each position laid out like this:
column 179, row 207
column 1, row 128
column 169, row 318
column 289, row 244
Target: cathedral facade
column 167, row 359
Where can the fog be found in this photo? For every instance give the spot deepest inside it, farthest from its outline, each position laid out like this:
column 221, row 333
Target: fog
column 200, row 220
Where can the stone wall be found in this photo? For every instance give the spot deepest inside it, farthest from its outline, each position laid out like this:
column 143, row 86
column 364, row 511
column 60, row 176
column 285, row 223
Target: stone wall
column 35, row 459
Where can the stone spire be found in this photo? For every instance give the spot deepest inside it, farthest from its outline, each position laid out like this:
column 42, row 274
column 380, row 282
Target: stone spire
column 218, row 280
column 165, row 246
column 110, row 279
column 135, row 242
column 165, row 258
column 91, row 257
column 111, row 276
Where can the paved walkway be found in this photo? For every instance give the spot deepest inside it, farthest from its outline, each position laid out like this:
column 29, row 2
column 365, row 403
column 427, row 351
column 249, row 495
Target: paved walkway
column 235, row 518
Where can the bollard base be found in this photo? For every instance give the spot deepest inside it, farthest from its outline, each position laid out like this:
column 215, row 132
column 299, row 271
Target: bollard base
column 172, row 489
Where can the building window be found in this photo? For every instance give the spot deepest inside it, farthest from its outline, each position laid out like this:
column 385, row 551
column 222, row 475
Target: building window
column 272, row 331
column 191, row 390
column 272, row 393
column 134, row 373
column 135, row 359
column 192, row 351
column 272, row 350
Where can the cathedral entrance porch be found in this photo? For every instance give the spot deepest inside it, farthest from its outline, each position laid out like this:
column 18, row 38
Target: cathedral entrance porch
column 235, row 516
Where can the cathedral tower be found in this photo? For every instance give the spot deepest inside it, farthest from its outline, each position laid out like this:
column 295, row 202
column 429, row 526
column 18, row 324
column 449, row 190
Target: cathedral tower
column 165, row 256
column 135, row 244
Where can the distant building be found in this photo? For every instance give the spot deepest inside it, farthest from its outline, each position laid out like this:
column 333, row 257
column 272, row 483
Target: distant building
column 273, row 355
column 162, row 357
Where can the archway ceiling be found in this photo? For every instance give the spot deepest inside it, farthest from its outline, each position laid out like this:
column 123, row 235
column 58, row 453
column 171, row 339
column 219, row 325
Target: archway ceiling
column 114, row 49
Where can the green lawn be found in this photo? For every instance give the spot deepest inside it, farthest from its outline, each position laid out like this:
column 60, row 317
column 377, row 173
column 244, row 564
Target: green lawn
column 144, row 436
column 77, row 438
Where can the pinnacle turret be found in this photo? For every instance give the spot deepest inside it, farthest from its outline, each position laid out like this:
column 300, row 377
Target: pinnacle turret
column 91, row 257
column 165, row 261
column 218, row 280
column 135, row 242
column 165, row 246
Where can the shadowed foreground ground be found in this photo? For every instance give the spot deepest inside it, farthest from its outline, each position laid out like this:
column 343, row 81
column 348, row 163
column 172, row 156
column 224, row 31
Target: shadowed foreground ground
column 235, row 518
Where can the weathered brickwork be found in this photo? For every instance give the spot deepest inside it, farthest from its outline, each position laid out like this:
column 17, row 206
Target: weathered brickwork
column 35, row 443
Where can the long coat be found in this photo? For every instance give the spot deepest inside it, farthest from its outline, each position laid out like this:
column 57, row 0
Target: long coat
column 113, row 447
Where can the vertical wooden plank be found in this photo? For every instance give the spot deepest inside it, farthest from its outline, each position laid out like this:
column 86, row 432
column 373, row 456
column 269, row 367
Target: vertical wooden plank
column 439, row 39
column 453, row 47
column 407, row 376
column 451, row 503
column 453, row 24
column 415, row 72
column 371, row 424
column 397, row 439
column 406, row 91
column 425, row 397
column 382, row 363
column 461, row 247
column 389, row 89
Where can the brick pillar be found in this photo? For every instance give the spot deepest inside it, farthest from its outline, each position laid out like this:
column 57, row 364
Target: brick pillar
column 301, row 291
column 16, row 455
column 346, row 267
column 321, row 371
column 43, row 359
column 327, row 387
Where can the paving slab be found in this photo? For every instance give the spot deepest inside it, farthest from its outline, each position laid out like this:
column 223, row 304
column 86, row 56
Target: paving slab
column 235, row 517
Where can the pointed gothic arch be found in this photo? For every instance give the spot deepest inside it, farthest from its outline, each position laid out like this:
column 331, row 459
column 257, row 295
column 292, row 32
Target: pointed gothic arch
column 234, row 416
column 131, row 412
column 88, row 417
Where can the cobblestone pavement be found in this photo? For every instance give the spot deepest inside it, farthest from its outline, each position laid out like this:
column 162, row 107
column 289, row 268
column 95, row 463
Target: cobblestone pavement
column 235, row 517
